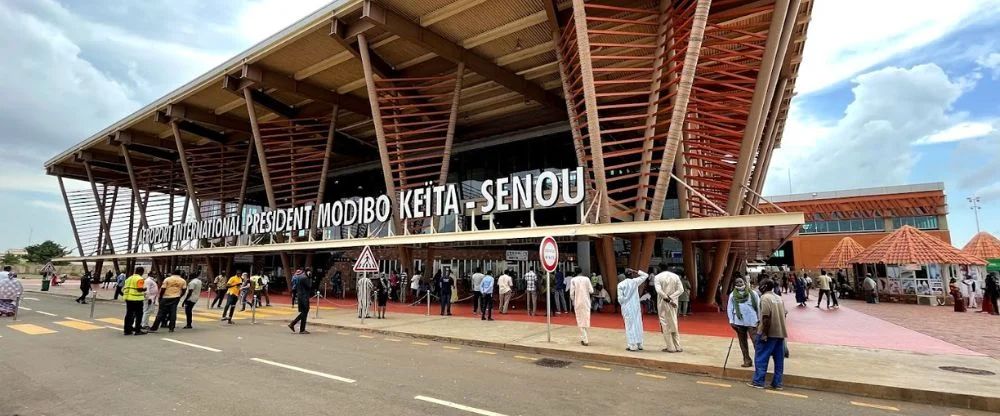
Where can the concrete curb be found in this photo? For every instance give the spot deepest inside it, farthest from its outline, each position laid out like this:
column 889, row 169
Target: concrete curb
column 875, row 391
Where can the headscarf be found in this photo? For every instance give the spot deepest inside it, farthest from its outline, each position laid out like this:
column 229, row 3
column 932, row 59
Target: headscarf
column 10, row 288
column 741, row 295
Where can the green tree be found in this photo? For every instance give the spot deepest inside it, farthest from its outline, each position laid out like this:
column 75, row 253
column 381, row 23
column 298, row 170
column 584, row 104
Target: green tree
column 11, row 258
column 42, row 253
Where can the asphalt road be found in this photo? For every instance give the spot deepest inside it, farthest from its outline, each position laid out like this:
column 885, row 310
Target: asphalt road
column 90, row 368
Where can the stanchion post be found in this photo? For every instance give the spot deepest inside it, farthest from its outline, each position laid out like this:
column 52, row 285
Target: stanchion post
column 428, row 294
column 93, row 301
column 548, row 307
column 17, row 307
column 364, row 275
column 253, row 310
column 317, row 304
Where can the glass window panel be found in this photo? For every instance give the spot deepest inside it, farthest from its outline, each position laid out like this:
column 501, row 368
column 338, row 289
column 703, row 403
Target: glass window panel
column 808, row 228
column 833, row 226
column 857, row 225
column 821, row 226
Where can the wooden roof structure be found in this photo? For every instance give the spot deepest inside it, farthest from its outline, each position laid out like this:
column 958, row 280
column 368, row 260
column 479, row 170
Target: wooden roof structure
column 983, row 245
column 907, row 204
column 841, row 254
column 908, row 245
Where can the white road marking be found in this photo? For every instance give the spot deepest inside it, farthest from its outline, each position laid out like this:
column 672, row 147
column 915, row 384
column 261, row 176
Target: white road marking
column 709, row 383
column 875, row 406
column 77, row 320
column 34, row 299
column 303, row 370
column 454, row 405
column 486, row 352
column 23, row 308
column 112, row 328
column 46, row 313
column 591, row 367
column 419, row 343
column 191, row 345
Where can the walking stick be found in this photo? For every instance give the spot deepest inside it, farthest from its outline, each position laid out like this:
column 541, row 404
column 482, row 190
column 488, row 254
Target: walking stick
column 730, row 350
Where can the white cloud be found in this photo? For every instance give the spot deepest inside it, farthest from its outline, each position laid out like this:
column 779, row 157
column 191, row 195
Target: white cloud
column 846, row 37
column 990, row 62
column 49, row 205
column 264, row 18
column 871, row 144
column 960, row 131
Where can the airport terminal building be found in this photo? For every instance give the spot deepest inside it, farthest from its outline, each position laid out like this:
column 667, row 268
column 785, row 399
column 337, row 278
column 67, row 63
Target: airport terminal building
column 458, row 133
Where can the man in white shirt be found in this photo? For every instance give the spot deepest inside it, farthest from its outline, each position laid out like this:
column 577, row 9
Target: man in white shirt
column 505, row 283
column 477, row 294
column 190, row 298
column 152, row 294
column 969, row 291
column 265, row 281
column 823, row 282
column 415, row 285
column 531, row 287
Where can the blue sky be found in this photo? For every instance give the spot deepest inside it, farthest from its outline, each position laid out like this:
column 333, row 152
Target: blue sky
column 880, row 101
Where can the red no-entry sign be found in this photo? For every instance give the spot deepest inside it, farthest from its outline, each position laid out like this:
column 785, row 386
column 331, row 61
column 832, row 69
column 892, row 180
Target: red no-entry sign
column 548, row 254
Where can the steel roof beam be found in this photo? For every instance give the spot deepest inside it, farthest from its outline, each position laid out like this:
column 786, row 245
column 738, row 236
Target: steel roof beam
column 253, row 75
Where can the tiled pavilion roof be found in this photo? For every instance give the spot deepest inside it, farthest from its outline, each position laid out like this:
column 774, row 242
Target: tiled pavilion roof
column 983, row 245
column 842, row 253
column 909, row 245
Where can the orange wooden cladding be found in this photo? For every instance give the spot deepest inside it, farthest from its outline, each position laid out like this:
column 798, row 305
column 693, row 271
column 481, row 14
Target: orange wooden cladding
column 295, row 150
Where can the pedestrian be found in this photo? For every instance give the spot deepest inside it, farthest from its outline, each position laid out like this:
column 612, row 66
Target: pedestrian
column 566, row 301
column 809, row 285
column 415, row 285
column 152, row 295
column 505, row 285
column 258, row 289
column 580, row 290
column 85, row 286
column 684, row 301
column 10, row 291
column 628, row 298
column 134, row 293
column 246, row 288
column 219, row 285
column 301, row 290
column 265, row 284
column 338, row 284
column 799, row 284
column 404, row 278
column 191, row 296
column 557, row 295
column 601, row 298
column 871, row 289
column 956, row 295
column 531, row 290
column 365, row 289
column 486, row 288
column 823, row 282
column 381, row 298
column 119, row 284
column 991, row 291
column 969, row 291
column 742, row 312
column 477, row 294
column 769, row 340
column 170, row 295
column 668, row 290
column 393, row 285
column 232, row 296
column 445, row 284
column 108, row 278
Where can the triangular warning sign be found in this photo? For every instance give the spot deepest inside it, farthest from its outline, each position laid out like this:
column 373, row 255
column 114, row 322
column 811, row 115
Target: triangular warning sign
column 366, row 262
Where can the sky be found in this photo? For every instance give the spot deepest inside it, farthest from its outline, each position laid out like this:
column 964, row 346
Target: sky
column 879, row 101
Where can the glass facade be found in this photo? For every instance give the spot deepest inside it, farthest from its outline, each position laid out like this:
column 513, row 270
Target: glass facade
column 926, row 222
column 844, row 226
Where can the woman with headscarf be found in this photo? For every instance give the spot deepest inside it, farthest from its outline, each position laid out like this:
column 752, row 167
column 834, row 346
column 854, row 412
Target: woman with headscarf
column 742, row 312
column 956, row 295
column 799, row 282
column 10, row 291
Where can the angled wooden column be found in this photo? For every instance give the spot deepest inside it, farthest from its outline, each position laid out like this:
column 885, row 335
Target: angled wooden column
column 241, row 200
column 718, row 267
column 590, row 107
column 765, row 149
column 452, row 120
column 383, row 148
column 321, row 192
column 100, row 211
column 680, row 106
column 188, row 179
column 763, row 90
column 72, row 222
column 131, row 227
column 652, row 107
column 143, row 223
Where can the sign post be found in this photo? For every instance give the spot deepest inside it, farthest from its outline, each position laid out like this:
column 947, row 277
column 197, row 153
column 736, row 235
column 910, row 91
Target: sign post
column 548, row 255
column 366, row 263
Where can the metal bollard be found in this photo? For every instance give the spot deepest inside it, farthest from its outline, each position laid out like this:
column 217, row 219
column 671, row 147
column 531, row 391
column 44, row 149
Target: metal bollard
column 253, row 310
column 17, row 307
column 428, row 294
column 317, row 304
column 93, row 301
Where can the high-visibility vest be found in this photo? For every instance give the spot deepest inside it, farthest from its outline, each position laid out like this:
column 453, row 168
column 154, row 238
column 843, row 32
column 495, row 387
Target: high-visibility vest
column 132, row 286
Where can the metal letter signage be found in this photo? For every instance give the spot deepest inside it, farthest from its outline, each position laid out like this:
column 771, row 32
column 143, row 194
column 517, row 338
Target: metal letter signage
column 366, row 261
column 548, row 254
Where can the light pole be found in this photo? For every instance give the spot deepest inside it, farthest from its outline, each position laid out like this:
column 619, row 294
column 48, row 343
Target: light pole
column 974, row 201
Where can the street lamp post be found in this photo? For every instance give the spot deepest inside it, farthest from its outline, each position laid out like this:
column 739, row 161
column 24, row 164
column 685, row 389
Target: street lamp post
column 975, row 207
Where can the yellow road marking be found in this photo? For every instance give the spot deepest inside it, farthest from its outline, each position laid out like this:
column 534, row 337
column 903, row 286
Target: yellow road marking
column 591, row 367
column 197, row 319
column 451, row 348
column 651, row 376
column 876, row 406
column 343, row 333
column 365, row 336
column 78, row 325
column 709, row 383
column 116, row 321
column 31, row 329
column 68, row 318
column 486, row 352
column 785, row 393
column 521, row 357
column 419, row 343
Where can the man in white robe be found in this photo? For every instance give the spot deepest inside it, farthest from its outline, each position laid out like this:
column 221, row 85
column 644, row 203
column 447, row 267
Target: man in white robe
column 365, row 290
column 628, row 297
column 580, row 290
column 668, row 289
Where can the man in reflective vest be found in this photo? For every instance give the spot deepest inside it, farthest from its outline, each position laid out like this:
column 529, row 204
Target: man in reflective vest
column 133, row 292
